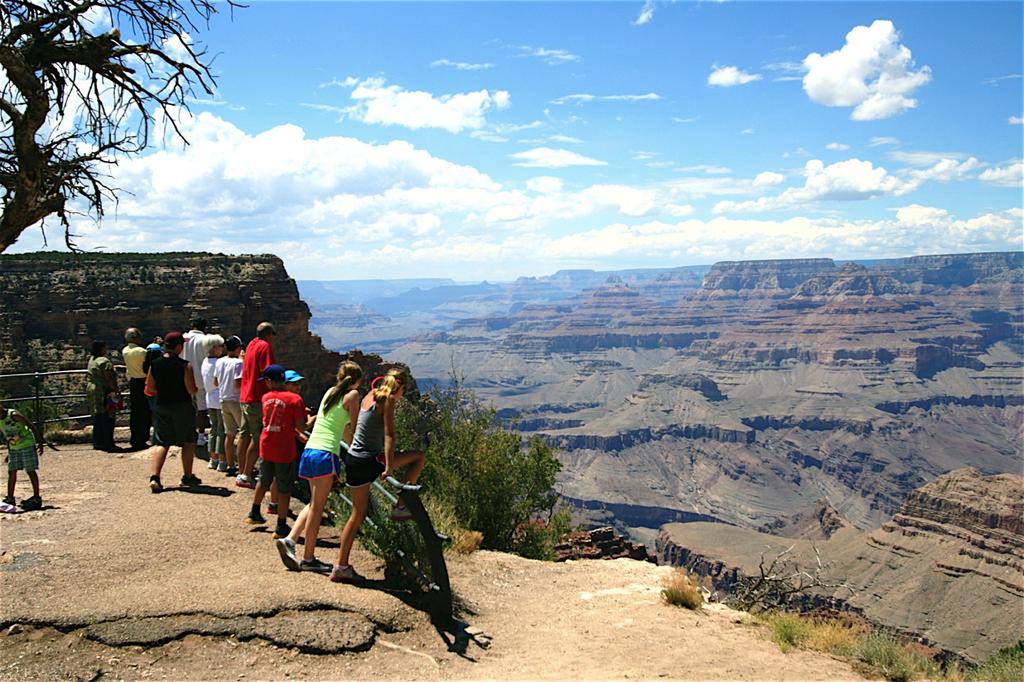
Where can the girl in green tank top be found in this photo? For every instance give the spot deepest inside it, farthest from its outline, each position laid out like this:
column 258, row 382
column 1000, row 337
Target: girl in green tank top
column 335, row 421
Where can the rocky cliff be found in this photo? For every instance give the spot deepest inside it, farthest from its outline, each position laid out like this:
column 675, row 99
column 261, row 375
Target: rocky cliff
column 764, row 274
column 947, row 569
column 55, row 304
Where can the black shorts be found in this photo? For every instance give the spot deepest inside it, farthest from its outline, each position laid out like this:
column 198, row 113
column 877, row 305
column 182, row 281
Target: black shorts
column 362, row 470
column 284, row 474
column 175, row 424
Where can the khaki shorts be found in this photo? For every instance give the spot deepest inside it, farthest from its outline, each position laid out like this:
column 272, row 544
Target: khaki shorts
column 252, row 420
column 231, row 411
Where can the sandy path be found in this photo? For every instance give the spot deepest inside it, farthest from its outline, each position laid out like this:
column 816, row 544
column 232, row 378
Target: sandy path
column 111, row 551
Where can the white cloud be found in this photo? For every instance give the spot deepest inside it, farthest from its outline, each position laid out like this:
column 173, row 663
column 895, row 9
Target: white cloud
column 546, row 157
column 544, row 184
column 376, row 102
column 1016, row 120
column 584, row 97
column 768, row 178
column 646, row 14
column 872, row 72
column 998, row 79
column 798, row 237
column 336, row 204
column 461, row 66
column 747, row 131
column 564, row 139
column 554, row 57
column 923, row 158
column 729, row 76
column 921, row 215
column 850, row 180
column 790, row 71
column 645, row 156
column 882, row 141
column 177, row 47
column 1005, row 176
column 943, row 170
column 498, row 132
column 837, row 146
column 710, row 169
column 690, row 119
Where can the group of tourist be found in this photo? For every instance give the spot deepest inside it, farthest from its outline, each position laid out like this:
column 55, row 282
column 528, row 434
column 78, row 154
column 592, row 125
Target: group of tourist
column 260, row 431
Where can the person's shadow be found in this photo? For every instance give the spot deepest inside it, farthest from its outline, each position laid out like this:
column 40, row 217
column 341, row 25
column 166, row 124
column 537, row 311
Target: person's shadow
column 216, row 491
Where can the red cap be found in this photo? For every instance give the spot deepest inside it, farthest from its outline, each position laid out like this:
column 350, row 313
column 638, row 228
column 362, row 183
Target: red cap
column 173, row 339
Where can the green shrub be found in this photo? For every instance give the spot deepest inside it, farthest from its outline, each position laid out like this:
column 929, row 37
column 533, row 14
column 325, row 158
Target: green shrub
column 789, row 630
column 884, row 655
column 1006, row 665
column 493, row 482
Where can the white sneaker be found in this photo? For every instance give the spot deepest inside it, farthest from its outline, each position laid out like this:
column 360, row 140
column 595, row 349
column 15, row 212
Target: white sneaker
column 212, row 465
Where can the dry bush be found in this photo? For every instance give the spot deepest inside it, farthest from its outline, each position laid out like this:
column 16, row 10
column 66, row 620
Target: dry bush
column 467, row 541
column 681, row 589
column 835, row 637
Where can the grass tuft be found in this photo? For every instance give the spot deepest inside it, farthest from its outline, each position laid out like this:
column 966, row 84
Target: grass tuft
column 884, row 655
column 680, row 589
column 1006, row 665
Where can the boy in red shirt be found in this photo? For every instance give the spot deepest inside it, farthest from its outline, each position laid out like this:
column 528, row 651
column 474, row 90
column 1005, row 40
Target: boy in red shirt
column 284, row 420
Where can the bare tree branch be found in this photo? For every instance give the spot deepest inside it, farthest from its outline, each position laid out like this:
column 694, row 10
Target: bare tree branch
column 77, row 97
column 782, row 581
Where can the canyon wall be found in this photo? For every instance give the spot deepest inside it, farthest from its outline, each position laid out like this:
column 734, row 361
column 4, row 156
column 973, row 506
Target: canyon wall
column 948, row 568
column 774, row 385
column 54, row 304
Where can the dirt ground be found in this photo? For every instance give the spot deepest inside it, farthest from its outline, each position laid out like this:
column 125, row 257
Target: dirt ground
column 109, row 581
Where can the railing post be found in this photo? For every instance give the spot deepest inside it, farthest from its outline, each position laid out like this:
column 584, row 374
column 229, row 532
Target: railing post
column 38, row 407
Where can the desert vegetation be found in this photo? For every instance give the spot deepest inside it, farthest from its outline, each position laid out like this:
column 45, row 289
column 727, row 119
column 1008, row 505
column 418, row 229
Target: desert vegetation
column 878, row 653
column 682, row 589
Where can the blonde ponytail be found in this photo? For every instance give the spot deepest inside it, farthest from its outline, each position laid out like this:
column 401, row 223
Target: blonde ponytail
column 388, row 386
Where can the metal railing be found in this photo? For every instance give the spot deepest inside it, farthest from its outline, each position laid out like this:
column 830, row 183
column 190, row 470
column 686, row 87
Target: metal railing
column 38, row 397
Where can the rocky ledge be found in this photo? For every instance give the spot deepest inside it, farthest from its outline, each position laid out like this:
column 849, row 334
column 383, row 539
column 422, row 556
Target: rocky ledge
column 600, row 543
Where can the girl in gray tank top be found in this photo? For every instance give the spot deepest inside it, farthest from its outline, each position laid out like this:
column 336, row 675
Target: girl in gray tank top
column 371, row 456
column 368, row 440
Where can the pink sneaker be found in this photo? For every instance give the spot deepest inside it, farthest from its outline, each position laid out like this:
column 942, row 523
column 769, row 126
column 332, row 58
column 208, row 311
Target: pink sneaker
column 400, row 513
column 244, row 482
column 345, row 574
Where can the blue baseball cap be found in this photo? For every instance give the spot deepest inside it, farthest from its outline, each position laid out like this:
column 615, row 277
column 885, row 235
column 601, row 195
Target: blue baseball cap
column 291, row 376
column 273, row 373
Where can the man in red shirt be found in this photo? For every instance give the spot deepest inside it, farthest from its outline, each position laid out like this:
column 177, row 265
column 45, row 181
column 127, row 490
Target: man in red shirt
column 284, row 421
column 259, row 354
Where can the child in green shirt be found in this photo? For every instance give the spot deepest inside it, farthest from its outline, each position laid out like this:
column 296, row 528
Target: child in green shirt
column 24, row 443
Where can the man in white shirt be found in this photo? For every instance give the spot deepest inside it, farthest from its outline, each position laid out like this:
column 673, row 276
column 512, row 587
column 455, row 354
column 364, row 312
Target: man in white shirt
column 197, row 345
column 228, row 379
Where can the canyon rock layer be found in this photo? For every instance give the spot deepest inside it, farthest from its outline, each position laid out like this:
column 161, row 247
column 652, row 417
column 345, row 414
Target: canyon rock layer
column 948, row 568
column 55, row 304
column 772, row 386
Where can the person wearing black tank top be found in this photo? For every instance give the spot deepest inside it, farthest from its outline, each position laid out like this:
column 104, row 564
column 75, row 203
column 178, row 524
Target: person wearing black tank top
column 171, row 379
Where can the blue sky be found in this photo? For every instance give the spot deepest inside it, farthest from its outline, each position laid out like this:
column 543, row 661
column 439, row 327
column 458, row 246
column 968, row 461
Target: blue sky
column 489, row 140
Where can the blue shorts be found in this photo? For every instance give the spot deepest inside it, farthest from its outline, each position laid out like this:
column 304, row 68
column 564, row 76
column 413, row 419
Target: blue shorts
column 318, row 463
